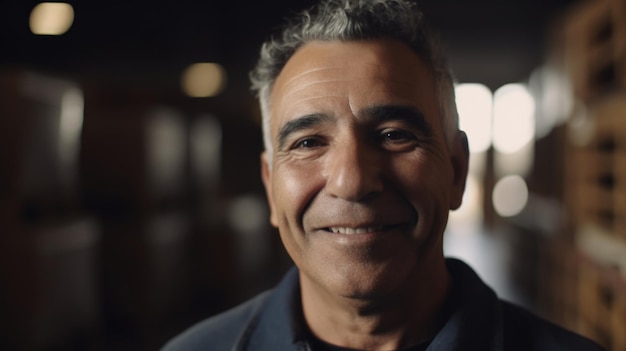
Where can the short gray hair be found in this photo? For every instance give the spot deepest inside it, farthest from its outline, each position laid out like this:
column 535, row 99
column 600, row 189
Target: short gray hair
column 348, row 20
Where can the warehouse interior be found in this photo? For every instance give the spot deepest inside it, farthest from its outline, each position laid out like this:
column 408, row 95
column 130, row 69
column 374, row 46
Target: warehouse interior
column 131, row 203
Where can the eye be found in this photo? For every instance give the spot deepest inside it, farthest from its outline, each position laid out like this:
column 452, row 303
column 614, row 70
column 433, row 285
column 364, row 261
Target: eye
column 307, row 143
column 397, row 136
column 397, row 140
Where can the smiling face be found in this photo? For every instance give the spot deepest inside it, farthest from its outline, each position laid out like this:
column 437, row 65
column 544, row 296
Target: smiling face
column 361, row 179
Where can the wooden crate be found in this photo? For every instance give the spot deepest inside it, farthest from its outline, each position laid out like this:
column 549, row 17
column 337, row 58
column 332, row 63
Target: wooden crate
column 618, row 321
column 594, row 48
column 599, row 216
column 602, row 303
column 594, row 36
column 619, row 19
column 39, row 138
column 597, row 169
column 134, row 152
column 610, row 115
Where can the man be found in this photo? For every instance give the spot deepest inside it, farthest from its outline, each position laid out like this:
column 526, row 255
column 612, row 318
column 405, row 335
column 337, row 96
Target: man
column 363, row 162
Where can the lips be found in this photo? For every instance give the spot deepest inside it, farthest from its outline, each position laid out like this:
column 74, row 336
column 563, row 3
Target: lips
column 341, row 219
column 350, row 230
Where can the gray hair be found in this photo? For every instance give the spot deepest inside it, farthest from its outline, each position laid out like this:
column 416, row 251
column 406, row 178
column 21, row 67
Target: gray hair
column 348, row 20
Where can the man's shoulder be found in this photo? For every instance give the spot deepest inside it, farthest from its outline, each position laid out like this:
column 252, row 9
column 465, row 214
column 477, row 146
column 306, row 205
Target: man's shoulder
column 222, row 331
column 523, row 330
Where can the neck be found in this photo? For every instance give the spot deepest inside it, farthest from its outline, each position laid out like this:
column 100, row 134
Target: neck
column 392, row 321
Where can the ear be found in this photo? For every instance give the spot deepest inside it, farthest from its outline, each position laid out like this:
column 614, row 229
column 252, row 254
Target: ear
column 459, row 156
column 266, row 175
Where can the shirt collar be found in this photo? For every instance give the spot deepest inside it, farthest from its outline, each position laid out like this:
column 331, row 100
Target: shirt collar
column 281, row 325
column 475, row 324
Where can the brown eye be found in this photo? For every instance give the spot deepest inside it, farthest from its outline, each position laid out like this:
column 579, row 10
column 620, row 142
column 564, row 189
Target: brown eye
column 307, row 143
column 395, row 136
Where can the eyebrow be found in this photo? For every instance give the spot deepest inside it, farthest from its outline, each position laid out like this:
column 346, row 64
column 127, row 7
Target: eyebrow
column 407, row 114
column 374, row 114
column 298, row 124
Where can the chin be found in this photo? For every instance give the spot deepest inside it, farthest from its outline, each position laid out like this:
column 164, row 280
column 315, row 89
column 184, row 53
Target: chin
column 370, row 280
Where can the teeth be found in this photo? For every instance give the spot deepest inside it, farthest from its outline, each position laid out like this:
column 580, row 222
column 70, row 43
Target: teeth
column 346, row 230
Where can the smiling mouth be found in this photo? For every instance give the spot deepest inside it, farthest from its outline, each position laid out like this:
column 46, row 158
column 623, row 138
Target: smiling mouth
column 350, row 231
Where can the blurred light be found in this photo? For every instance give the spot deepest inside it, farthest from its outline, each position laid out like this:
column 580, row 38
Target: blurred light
column 555, row 102
column 472, row 209
column 520, row 162
column 475, row 104
column 71, row 113
column 203, row 79
column 248, row 214
column 478, row 164
column 205, row 146
column 51, row 18
column 71, row 126
column 166, row 147
column 513, row 118
column 510, row 195
column 582, row 126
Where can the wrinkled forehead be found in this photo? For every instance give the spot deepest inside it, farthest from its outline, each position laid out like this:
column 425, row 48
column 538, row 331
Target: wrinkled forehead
column 382, row 58
column 376, row 71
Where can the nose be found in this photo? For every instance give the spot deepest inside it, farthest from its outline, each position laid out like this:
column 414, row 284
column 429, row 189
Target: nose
column 353, row 172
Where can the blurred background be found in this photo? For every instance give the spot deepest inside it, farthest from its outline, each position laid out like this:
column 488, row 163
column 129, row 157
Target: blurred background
column 131, row 204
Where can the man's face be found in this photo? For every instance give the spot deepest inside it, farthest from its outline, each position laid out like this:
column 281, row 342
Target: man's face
column 361, row 180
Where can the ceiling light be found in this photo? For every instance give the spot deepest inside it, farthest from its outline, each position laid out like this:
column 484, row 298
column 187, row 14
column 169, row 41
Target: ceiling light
column 203, row 79
column 51, row 18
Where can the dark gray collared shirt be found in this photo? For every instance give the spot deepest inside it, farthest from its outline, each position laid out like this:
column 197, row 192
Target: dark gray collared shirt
column 273, row 321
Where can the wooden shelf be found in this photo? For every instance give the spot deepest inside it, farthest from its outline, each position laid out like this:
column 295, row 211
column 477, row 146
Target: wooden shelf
column 594, row 43
column 594, row 51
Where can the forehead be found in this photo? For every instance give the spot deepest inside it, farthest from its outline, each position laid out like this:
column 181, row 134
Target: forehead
column 351, row 75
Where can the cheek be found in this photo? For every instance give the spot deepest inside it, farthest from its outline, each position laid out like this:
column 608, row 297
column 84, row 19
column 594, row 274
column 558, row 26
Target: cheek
column 294, row 188
column 425, row 183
